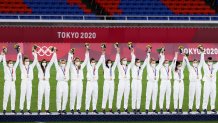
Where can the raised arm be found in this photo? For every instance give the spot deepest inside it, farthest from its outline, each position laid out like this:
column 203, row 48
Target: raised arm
column 51, row 61
column 145, row 61
column 1, row 57
column 55, row 60
column 183, row 63
column 21, row 61
column 86, row 60
column 161, row 61
column 173, row 64
column 202, row 60
column 117, row 61
column 100, row 61
column 35, row 59
column 132, row 59
column 187, row 62
column 69, row 60
column 17, row 61
column 4, row 60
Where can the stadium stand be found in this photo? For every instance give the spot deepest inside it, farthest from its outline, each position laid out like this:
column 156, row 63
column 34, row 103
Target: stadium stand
column 117, row 9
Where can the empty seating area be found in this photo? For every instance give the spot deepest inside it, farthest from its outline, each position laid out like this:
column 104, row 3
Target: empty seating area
column 192, row 7
column 14, row 7
column 119, row 9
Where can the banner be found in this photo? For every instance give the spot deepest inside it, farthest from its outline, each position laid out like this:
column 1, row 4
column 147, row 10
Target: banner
column 108, row 34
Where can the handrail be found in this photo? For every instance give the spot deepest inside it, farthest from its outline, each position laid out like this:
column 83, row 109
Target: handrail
column 108, row 17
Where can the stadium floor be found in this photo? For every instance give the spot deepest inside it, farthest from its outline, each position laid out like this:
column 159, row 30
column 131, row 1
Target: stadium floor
column 108, row 117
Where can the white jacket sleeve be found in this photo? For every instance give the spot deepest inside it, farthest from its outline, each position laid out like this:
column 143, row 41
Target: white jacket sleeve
column 132, row 60
column 100, row 61
column 85, row 61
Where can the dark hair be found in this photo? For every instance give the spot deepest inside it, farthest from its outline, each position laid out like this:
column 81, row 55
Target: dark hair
column 92, row 59
column 25, row 58
column 195, row 60
column 209, row 58
column 43, row 69
column 106, row 62
column 75, row 60
column 122, row 60
column 177, row 64
column 9, row 61
column 136, row 60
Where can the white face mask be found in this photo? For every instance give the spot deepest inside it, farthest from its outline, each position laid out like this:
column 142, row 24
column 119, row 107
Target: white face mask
column 77, row 63
column 63, row 65
column 138, row 64
column 166, row 65
column 27, row 63
column 153, row 65
column 179, row 68
column 124, row 62
column 43, row 64
column 10, row 65
column 109, row 64
column 93, row 64
column 210, row 63
column 195, row 64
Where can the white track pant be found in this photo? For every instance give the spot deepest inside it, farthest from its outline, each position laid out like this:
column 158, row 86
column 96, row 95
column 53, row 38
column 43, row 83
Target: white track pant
column 76, row 91
column 209, row 91
column 178, row 94
column 61, row 92
column 43, row 88
column 108, row 93
column 91, row 92
column 136, row 93
column 165, row 88
column 123, row 89
column 194, row 90
column 25, row 91
column 151, row 92
column 9, row 89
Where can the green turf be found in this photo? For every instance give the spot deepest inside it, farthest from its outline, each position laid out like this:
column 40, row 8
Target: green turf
column 53, row 91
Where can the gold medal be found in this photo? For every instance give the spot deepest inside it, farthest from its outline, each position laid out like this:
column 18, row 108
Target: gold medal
column 211, row 75
column 111, row 78
column 197, row 77
column 155, row 78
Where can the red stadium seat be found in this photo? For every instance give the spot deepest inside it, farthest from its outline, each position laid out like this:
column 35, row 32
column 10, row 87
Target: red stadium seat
column 189, row 7
column 14, row 6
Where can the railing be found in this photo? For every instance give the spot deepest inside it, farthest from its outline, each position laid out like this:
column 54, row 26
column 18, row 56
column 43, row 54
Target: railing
column 122, row 18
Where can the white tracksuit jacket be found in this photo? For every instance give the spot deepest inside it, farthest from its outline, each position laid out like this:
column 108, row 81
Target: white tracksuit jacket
column 76, row 88
column 44, row 85
column 108, row 88
column 9, row 85
column 178, row 87
column 62, row 77
column 195, row 77
column 124, row 81
column 165, row 85
column 209, row 84
column 137, row 73
column 152, row 84
column 92, row 83
column 26, row 84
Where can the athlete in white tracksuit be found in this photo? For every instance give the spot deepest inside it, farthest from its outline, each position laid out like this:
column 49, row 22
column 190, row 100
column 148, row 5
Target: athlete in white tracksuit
column 195, row 77
column 165, row 85
column 152, row 84
column 92, row 83
column 108, row 88
column 124, row 81
column 76, row 87
column 178, row 87
column 210, row 71
column 62, row 77
column 9, row 85
column 44, row 85
column 137, row 73
column 26, row 83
